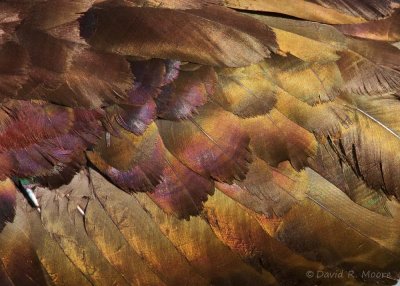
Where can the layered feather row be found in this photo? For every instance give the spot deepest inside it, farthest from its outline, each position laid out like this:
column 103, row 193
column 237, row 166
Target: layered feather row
column 183, row 142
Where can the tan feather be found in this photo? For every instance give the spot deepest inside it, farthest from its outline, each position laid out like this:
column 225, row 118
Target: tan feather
column 244, row 92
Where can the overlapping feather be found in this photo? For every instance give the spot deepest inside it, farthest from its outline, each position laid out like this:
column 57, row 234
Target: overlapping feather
column 275, row 139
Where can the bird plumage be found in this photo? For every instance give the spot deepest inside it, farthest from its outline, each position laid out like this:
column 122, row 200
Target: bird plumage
column 204, row 142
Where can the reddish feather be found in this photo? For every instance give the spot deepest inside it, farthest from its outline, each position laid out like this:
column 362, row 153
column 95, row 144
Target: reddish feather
column 181, row 191
column 140, row 108
column 181, row 98
column 212, row 144
column 40, row 139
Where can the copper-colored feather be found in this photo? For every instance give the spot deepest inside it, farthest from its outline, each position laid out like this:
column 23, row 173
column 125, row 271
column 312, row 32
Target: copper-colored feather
column 7, row 202
column 382, row 30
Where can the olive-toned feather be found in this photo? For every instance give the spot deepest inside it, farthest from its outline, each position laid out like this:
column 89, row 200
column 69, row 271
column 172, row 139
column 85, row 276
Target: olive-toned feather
column 310, row 82
column 244, row 92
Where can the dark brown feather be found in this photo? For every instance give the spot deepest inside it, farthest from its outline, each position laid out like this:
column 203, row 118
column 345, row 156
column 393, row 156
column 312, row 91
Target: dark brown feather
column 211, row 42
